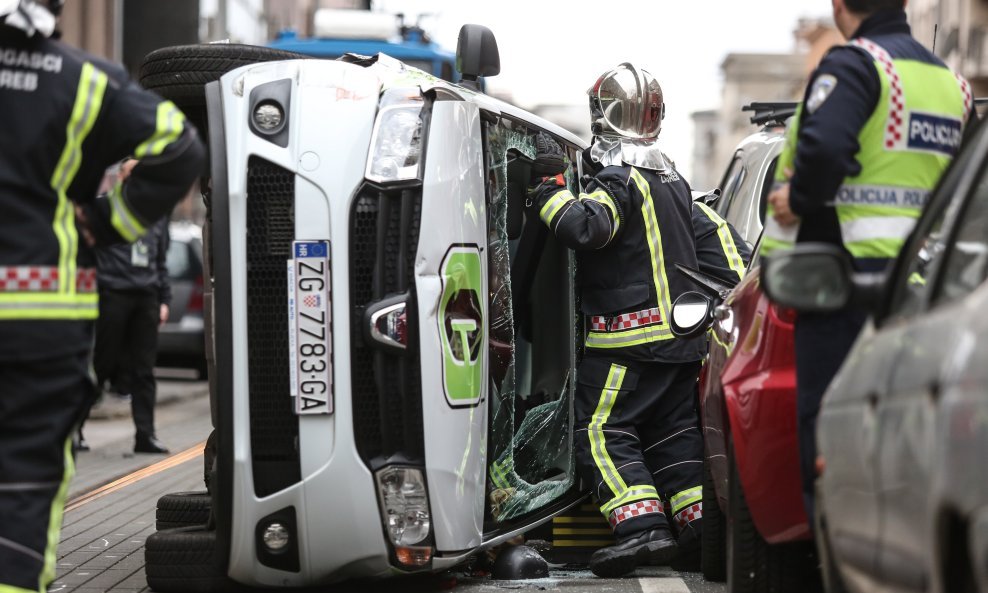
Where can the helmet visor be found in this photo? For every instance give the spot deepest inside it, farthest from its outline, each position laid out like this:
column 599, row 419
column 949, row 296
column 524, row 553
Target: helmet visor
column 618, row 94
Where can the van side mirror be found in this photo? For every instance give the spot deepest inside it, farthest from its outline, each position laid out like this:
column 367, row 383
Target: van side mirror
column 476, row 55
column 692, row 313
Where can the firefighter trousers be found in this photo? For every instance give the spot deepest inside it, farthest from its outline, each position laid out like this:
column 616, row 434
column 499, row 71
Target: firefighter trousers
column 638, row 443
column 41, row 402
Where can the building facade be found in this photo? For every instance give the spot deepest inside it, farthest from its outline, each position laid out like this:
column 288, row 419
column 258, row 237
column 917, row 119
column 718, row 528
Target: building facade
column 749, row 78
column 961, row 28
column 96, row 26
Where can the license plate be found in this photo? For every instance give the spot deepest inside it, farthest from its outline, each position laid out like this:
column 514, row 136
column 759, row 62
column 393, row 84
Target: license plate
column 310, row 327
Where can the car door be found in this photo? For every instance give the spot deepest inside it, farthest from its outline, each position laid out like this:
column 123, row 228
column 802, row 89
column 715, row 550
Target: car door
column 863, row 415
column 908, row 412
column 534, row 335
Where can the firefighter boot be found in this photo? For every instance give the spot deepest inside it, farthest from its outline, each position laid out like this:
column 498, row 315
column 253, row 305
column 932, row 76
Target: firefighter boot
column 656, row 546
column 688, row 557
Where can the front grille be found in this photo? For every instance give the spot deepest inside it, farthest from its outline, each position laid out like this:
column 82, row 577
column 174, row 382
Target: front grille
column 387, row 404
column 270, row 232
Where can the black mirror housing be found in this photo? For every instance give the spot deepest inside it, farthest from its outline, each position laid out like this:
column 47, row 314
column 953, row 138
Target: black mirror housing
column 476, row 54
column 691, row 314
column 810, row 278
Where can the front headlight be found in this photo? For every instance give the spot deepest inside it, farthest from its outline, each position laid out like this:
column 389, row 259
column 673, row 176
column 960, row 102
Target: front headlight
column 396, row 144
column 404, row 505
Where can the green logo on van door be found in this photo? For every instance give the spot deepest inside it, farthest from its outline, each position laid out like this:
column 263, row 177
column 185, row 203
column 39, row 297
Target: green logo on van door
column 461, row 325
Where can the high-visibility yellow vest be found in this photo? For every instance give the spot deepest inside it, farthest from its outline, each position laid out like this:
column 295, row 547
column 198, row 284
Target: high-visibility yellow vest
column 906, row 145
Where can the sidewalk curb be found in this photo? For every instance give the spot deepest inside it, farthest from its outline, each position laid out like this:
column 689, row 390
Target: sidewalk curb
column 110, row 406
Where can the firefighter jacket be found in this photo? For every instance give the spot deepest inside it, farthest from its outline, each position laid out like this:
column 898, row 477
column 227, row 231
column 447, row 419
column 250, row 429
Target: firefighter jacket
column 68, row 117
column 881, row 120
column 629, row 228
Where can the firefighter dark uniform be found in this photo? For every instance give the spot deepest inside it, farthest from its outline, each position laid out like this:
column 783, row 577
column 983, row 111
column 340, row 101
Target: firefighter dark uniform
column 881, row 120
column 638, row 443
column 66, row 120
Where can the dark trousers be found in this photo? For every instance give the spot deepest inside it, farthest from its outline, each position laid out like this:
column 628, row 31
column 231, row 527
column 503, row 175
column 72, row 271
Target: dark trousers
column 822, row 344
column 40, row 404
column 126, row 348
column 638, row 442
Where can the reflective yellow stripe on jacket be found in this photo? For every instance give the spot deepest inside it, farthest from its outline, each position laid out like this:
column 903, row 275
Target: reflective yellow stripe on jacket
column 654, row 235
column 554, row 206
column 731, row 252
column 66, row 302
column 652, row 333
column 169, row 124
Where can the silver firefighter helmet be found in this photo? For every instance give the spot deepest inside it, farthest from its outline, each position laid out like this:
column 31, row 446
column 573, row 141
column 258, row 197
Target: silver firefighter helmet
column 34, row 17
column 626, row 102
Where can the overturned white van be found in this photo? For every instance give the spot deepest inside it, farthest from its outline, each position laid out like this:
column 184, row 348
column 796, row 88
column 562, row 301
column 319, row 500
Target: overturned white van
column 393, row 337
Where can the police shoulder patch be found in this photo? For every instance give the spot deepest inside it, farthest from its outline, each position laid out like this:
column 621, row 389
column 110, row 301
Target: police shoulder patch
column 822, row 87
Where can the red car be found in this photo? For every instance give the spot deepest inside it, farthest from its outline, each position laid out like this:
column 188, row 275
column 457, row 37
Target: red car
column 755, row 534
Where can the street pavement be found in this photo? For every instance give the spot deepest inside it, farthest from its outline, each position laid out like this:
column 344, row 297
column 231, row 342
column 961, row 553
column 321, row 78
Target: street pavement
column 111, row 511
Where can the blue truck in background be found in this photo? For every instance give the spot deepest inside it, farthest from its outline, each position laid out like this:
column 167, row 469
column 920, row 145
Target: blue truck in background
column 340, row 31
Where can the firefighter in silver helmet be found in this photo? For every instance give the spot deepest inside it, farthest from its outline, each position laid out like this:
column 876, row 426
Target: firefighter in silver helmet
column 638, row 442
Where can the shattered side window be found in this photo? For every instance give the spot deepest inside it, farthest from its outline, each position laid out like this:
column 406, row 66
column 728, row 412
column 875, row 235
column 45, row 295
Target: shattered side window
column 531, row 340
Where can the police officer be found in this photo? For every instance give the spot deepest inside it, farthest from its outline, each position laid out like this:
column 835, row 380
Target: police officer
column 881, row 120
column 638, row 444
column 67, row 117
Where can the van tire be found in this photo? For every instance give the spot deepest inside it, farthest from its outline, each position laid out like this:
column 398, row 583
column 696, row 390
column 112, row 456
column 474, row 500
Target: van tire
column 182, row 509
column 180, row 73
column 713, row 553
column 184, row 560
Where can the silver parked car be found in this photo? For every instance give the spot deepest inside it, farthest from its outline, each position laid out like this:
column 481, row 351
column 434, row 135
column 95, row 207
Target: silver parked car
column 903, row 430
column 181, row 341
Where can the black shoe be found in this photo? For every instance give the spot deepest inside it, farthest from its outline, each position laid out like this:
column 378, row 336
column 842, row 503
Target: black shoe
column 149, row 445
column 656, row 547
column 80, row 444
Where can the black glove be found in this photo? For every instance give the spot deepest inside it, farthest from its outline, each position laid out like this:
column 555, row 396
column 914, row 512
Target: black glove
column 590, row 166
column 540, row 186
column 550, row 160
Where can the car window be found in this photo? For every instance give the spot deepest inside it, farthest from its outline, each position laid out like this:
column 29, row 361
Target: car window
column 531, row 366
column 739, row 205
column 767, row 184
column 730, row 184
column 926, row 247
column 966, row 262
column 178, row 259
